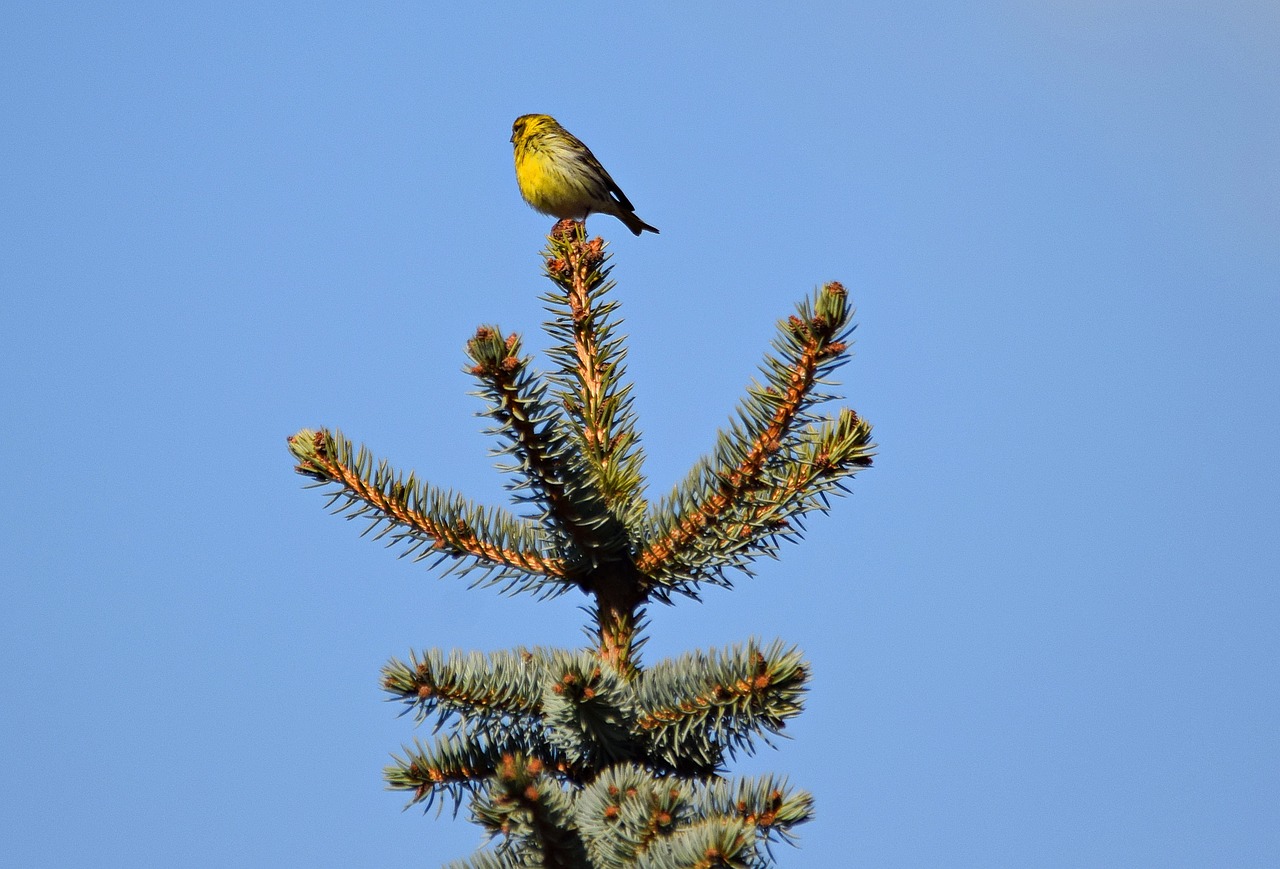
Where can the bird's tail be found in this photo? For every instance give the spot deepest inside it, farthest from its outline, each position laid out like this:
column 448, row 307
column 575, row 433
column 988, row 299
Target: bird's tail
column 635, row 224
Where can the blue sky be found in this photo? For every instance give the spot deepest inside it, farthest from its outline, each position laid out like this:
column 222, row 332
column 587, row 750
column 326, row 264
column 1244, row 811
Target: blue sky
column 1044, row 625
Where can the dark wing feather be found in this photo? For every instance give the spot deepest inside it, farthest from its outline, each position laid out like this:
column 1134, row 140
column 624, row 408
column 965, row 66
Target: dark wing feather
column 617, row 191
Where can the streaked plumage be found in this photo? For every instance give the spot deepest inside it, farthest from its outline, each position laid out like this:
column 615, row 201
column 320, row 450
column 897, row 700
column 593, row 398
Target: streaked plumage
column 559, row 176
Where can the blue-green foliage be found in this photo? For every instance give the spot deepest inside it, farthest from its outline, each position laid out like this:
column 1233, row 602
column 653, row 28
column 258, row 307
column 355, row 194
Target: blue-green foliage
column 589, row 758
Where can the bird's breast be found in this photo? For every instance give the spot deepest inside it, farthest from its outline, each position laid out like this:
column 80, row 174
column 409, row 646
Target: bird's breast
column 546, row 185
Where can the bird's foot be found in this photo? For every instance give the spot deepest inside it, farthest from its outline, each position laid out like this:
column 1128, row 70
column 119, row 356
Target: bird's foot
column 567, row 229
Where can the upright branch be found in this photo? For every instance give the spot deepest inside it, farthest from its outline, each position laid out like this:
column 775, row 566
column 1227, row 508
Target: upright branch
column 598, row 401
column 583, row 267
column 590, row 377
column 536, row 435
column 774, row 464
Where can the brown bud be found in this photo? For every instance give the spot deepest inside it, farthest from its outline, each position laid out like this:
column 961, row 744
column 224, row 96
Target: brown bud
column 507, row 768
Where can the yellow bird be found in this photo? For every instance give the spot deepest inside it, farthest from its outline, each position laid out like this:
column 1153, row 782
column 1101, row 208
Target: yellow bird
column 559, row 176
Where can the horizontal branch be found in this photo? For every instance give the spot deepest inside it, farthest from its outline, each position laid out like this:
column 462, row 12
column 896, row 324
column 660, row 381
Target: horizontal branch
column 720, row 701
column 709, row 843
column 429, row 520
column 474, row 686
column 459, row 763
column 768, row 804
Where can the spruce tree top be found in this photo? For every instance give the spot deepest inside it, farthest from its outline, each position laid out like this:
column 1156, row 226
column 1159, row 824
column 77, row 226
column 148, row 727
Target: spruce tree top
column 589, row 758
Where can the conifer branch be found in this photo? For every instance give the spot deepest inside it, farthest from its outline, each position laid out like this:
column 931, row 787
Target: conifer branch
column 626, row 808
column 731, row 824
column 824, row 455
column 734, row 504
column 588, row 711
column 476, row 687
column 538, row 438
column 429, row 520
column 768, row 804
column 591, row 369
column 702, row 704
column 448, row 770
column 457, row 763
column 496, row 860
column 608, row 457
column 535, row 817
column 709, row 843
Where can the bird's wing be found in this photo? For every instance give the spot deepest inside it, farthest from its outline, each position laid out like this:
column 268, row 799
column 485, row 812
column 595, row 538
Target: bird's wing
column 617, row 191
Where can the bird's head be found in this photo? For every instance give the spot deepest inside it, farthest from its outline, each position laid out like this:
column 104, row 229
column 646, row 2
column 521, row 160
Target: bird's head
column 531, row 125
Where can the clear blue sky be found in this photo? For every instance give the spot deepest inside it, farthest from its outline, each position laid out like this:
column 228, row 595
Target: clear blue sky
column 1044, row 626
